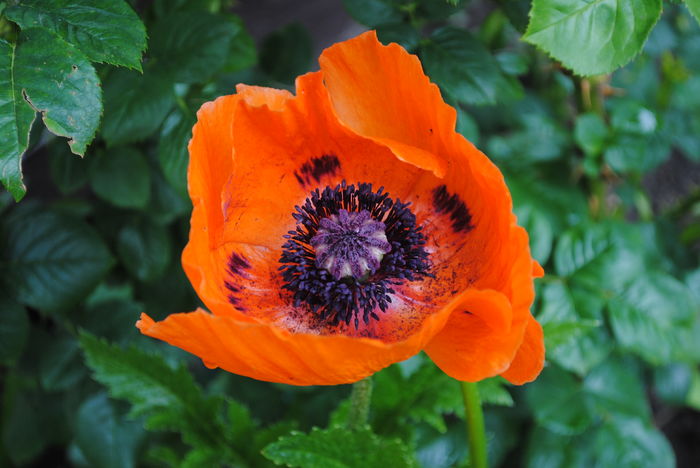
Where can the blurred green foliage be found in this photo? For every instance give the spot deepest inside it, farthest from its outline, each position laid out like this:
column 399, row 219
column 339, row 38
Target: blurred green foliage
column 97, row 240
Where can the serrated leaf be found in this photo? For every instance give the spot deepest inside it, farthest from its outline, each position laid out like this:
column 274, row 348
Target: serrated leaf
column 169, row 398
column 591, row 252
column 104, row 30
column 493, row 391
column 694, row 8
column 592, row 37
column 103, row 438
column 135, row 105
column 574, row 336
column 50, row 261
column 16, row 118
column 465, row 69
column 189, row 47
column 421, row 396
column 58, row 81
column 121, row 177
column 338, row 448
column 650, row 315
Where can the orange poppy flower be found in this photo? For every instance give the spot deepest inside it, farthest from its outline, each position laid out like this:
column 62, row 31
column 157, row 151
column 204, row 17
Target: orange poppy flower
column 348, row 227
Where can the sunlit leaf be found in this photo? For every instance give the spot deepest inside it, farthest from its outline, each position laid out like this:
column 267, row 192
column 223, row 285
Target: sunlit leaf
column 592, row 37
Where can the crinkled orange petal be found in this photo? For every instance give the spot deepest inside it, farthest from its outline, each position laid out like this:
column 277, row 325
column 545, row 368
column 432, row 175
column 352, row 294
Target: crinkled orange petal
column 382, row 93
column 529, row 359
column 272, row 354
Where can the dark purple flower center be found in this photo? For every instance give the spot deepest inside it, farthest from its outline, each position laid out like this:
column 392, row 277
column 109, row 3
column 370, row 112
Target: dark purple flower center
column 350, row 247
column 350, row 244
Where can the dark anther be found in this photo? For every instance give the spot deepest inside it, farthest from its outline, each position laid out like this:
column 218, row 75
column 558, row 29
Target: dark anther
column 350, row 246
column 316, row 168
column 452, row 205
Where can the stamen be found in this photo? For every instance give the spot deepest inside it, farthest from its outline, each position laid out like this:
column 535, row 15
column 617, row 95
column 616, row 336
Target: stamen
column 350, row 246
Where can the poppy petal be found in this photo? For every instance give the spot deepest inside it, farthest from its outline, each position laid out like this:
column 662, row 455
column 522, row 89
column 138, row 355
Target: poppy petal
column 529, row 359
column 267, row 353
column 381, row 93
column 471, row 346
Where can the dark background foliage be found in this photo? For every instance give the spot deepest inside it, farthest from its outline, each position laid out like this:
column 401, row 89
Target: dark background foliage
column 598, row 134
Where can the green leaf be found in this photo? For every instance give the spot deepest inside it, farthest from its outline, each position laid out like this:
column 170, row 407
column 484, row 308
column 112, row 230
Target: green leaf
column 548, row 449
column 592, row 37
column 68, row 172
column 338, row 448
column 590, row 133
column 144, row 248
column 121, row 177
column 50, row 261
column 694, row 8
column 16, row 118
column 104, row 30
column 24, row 434
column 493, row 391
column 673, row 382
column 556, row 399
column 287, row 53
column 58, row 81
column 635, row 154
column 242, row 53
column 567, row 405
column 168, row 398
column 544, row 207
column 465, row 69
column 373, row 13
column 573, row 338
column 632, row 442
column 613, row 388
column 60, row 366
column 401, row 33
column 599, row 257
column 14, row 328
column 190, row 47
column 421, row 394
column 104, row 439
column 111, row 318
column 172, row 150
column 135, row 105
column 649, row 316
column 540, row 139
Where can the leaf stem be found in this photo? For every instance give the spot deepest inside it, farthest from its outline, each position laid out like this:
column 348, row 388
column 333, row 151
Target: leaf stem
column 360, row 399
column 474, row 417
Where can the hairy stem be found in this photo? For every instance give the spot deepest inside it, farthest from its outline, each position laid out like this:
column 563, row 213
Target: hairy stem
column 360, row 399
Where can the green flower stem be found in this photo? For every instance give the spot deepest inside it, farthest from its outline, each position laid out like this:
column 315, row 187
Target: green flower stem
column 474, row 417
column 360, row 399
